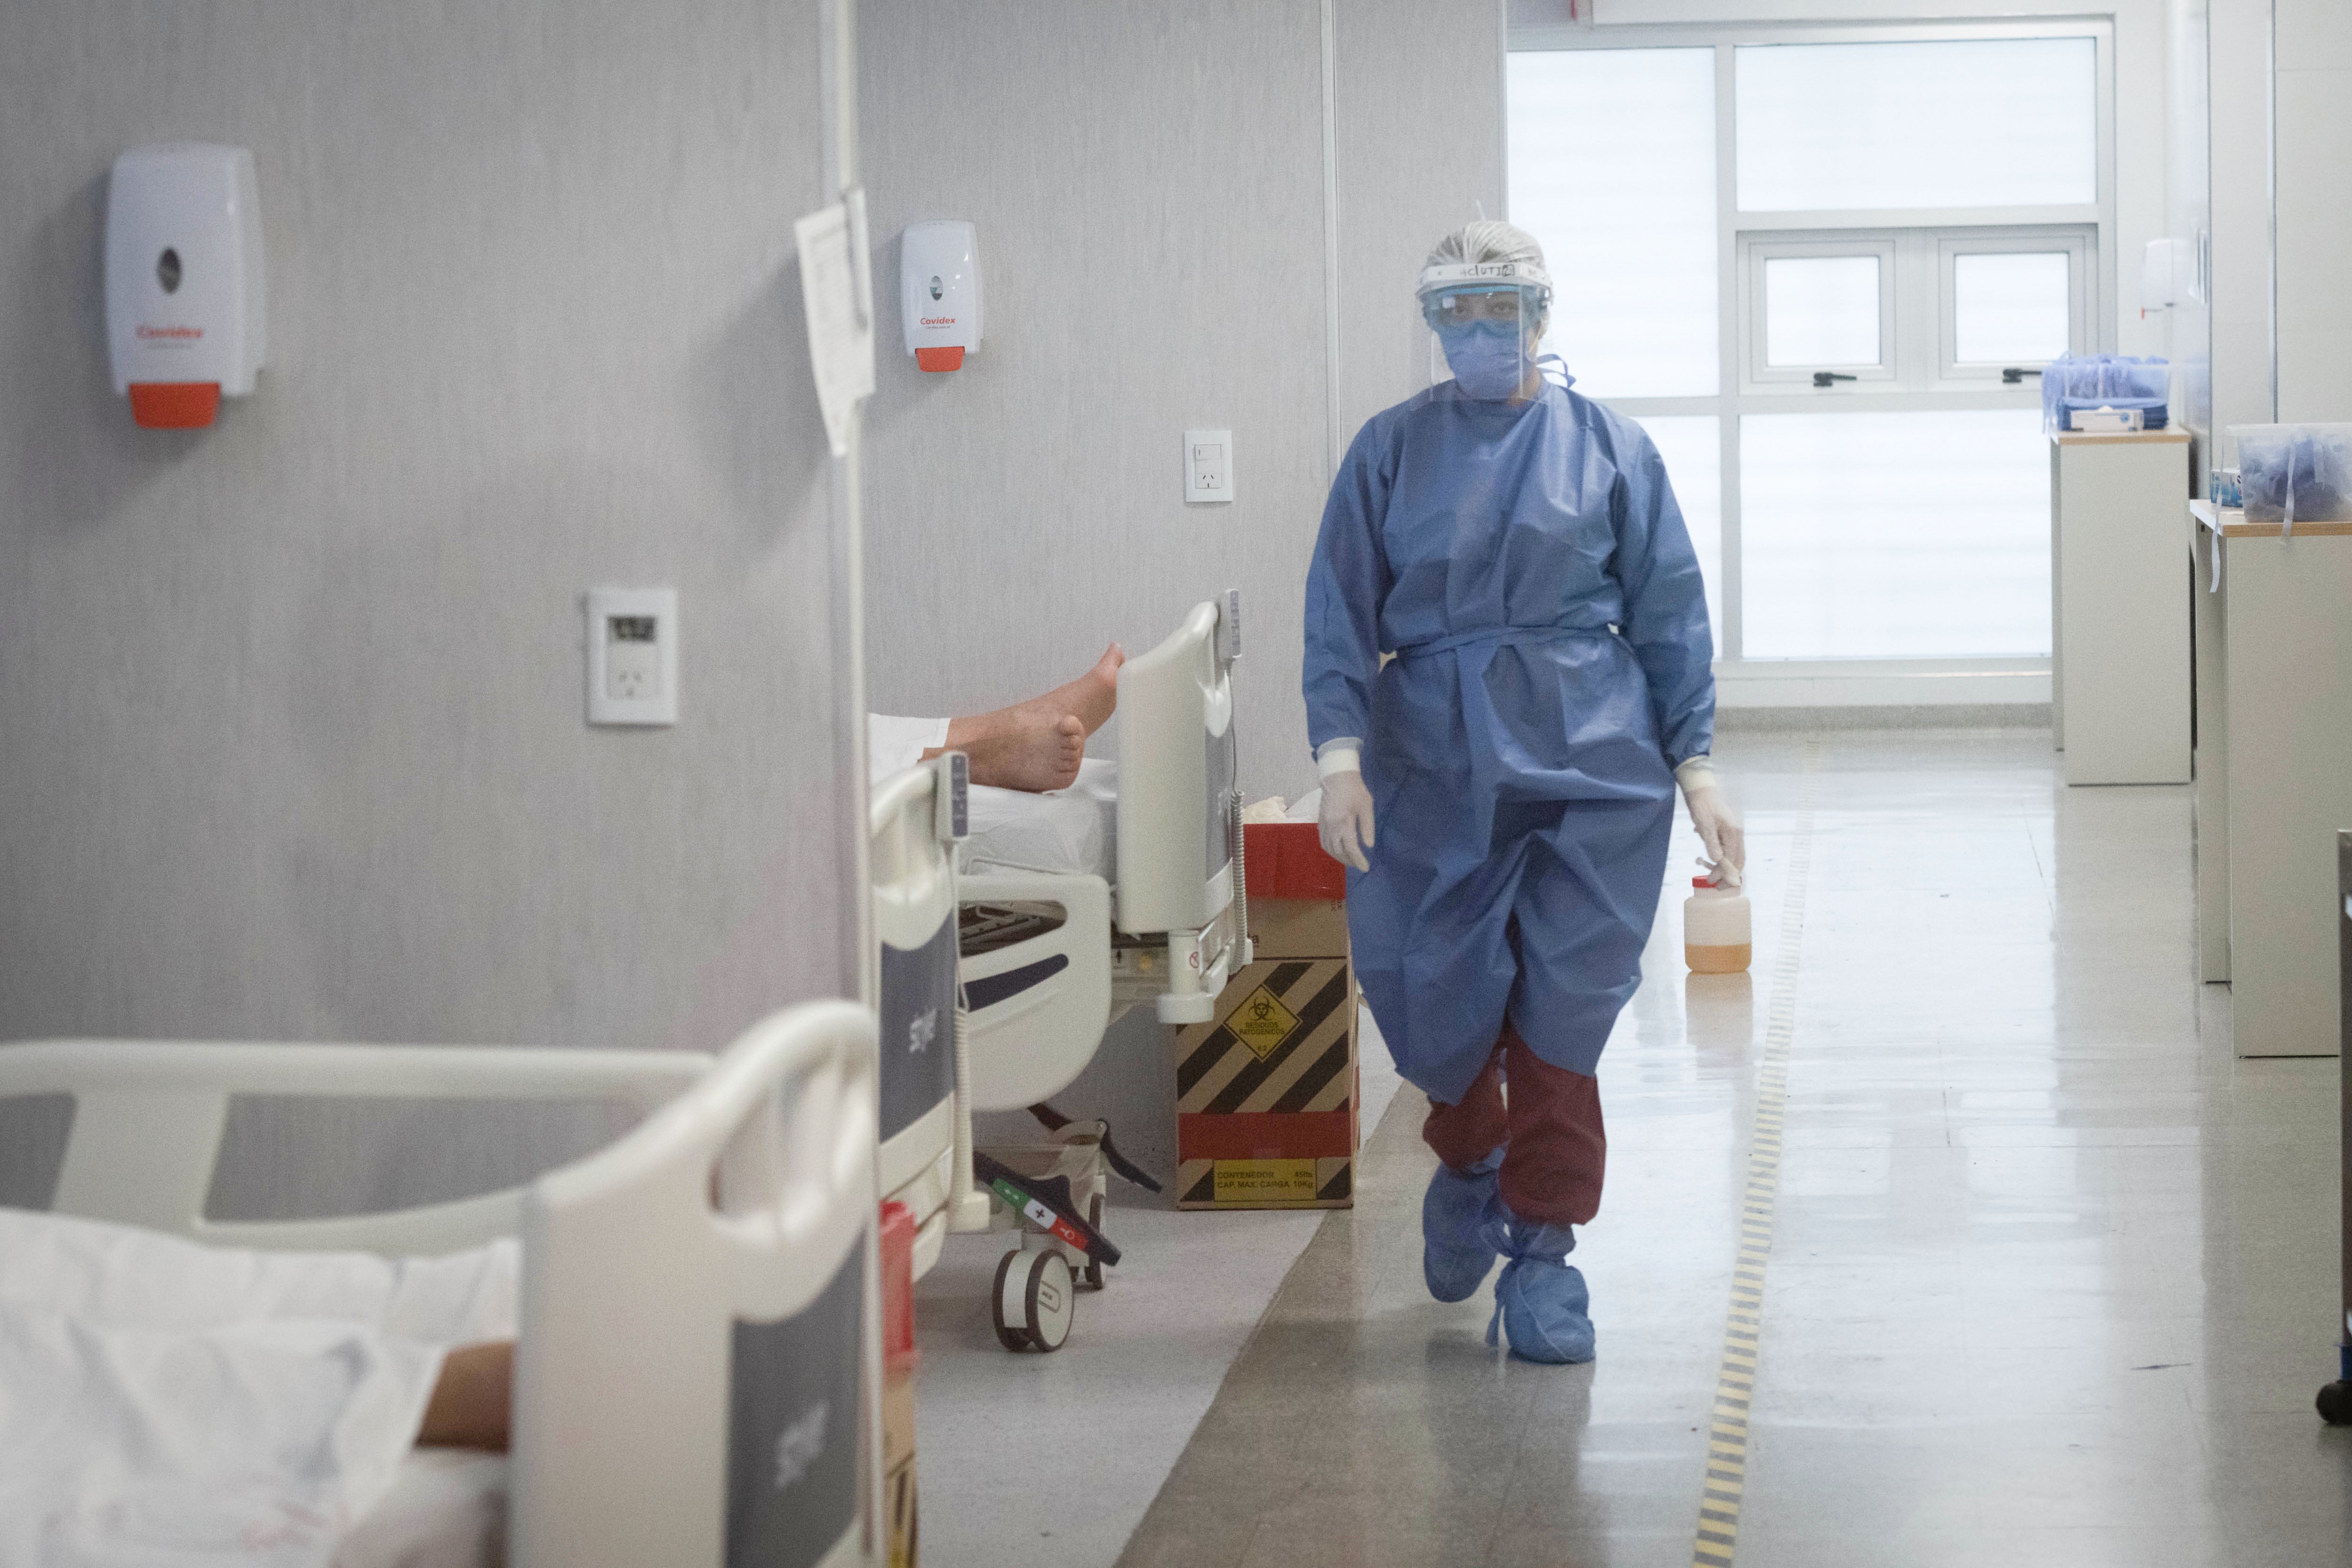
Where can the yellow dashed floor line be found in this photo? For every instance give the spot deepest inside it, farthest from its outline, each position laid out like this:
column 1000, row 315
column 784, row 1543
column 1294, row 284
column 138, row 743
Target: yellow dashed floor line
column 1735, row 1385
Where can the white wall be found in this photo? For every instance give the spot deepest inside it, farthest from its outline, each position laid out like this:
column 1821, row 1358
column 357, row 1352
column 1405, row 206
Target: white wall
column 1420, row 142
column 2281, row 221
column 1147, row 186
column 2314, row 137
column 292, row 706
column 2188, row 215
column 2240, row 91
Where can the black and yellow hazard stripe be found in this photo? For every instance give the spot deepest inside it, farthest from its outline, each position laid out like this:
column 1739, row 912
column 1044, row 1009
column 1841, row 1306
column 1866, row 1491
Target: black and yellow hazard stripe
column 1218, row 1074
column 1735, row 1383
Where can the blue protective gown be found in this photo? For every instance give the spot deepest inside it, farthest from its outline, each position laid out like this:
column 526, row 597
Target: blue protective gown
column 1527, row 565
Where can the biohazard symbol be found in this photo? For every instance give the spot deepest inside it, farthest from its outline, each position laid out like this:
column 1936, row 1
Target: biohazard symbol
column 1262, row 1023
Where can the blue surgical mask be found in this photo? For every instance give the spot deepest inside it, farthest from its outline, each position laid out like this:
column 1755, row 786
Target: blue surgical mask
column 1488, row 359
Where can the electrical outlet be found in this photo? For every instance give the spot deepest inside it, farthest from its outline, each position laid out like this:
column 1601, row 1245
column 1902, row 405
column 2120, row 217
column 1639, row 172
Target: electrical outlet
column 633, row 656
column 1208, row 464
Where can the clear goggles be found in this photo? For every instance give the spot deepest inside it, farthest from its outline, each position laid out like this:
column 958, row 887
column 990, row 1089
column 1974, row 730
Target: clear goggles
column 1469, row 305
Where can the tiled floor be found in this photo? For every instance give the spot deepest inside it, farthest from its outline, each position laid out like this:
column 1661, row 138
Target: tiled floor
column 1036, row 1462
column 2053, row 1278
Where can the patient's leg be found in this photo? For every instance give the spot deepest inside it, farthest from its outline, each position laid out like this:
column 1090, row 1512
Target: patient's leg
column 1038, row 744
column 473, row 1404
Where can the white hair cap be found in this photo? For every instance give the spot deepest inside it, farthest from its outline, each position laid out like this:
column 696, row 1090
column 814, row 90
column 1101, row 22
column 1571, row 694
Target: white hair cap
column 1486, row 251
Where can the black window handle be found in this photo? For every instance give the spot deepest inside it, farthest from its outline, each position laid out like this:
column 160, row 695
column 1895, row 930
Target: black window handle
column 1825, row 378
column 2013, row 376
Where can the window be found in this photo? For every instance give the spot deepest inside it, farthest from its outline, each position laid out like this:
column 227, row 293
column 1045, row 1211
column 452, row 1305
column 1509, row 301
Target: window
column 1630, row 219
column 1831, row 312
column 1820, row 307
column 1895, row 535
column 1964, row 123
column 2014, row 301
column 1691, row 447
column 1912, row 309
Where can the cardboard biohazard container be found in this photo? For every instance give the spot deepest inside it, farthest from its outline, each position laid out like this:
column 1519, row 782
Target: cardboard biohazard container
column 1297, row 894
column 1265, row 1091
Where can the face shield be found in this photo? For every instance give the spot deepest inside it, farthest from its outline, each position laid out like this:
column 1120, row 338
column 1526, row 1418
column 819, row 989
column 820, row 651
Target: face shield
column 1484, row 321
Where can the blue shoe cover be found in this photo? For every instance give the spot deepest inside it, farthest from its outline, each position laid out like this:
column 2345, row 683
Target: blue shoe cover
column 1540, row 1301
column 1461, row 1228
column 1540, row 1304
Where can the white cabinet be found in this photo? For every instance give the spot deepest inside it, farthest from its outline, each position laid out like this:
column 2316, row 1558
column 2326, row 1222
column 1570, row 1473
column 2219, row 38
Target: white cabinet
column 2274, row 774
column 2120, row 649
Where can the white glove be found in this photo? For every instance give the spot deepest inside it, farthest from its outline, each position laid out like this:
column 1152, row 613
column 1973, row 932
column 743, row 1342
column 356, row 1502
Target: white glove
column 1718, row 830
column 1347, row 819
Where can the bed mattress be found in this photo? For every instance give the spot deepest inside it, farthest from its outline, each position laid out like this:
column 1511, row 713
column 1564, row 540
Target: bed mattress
column 447, row 1508
column 1070, row 832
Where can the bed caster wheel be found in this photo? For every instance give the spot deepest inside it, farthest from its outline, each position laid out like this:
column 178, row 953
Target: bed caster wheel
column 1034, row 1301
column 1014, row 1336
column 1091, row 1277
column 2334, row 1404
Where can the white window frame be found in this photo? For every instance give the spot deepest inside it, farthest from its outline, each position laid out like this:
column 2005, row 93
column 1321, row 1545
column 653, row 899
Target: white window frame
column 1757, row 252
column 1926, row 387
column 2081, row 248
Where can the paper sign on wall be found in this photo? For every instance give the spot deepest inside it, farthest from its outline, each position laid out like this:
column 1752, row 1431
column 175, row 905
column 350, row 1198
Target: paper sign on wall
column 837, row 293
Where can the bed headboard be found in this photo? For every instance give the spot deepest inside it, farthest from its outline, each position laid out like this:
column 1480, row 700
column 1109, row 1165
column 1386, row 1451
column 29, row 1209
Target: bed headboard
column 915, row 817
column 1178, row 778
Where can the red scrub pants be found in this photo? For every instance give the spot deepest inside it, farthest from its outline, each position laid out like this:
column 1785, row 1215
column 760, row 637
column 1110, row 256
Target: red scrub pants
column 1550, row 1129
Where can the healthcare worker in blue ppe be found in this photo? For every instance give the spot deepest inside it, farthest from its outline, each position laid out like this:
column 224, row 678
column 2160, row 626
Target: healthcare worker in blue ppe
column 1508, row 673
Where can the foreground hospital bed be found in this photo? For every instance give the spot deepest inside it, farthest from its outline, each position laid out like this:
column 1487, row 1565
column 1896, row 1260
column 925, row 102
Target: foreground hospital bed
column 997, row 984
column 698, row 1356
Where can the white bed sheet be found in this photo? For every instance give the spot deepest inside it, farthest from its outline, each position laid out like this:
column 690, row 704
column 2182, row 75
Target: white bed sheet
column 447, row 1508
column 1069, row 832
column 166, row 1403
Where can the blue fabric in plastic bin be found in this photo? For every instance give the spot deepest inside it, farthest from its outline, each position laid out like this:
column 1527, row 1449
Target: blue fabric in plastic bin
column 2070, row 385
column 2294, row 473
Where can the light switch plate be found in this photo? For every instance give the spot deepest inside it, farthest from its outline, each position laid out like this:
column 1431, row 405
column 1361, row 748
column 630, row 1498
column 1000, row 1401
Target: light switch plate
column 633, row 656
column 1208, row 464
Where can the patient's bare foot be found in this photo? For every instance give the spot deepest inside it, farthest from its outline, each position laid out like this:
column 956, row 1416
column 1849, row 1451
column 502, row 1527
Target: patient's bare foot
column 1092, row 696
column 1025, row 747
column 1037, row 745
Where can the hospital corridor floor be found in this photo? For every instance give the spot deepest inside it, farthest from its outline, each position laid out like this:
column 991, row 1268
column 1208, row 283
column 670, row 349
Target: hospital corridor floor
column 1952, row 1233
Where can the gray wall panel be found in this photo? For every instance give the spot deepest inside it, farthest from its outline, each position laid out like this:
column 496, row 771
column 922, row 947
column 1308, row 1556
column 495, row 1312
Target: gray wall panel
column 1420, row 123
column 292, row 706
column 1147, row 186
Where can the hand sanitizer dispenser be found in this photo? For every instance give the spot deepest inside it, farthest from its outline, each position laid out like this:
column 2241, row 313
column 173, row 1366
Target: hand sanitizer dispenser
column 939, row 292
column 183, row 289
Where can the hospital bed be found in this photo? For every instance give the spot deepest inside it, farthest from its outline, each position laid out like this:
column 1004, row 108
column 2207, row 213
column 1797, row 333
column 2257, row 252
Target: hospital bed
column 1159, row 916
column 696, row 1295
column 1076, row 907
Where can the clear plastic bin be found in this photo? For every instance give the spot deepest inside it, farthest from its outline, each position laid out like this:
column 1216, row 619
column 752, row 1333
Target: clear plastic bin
column 2294, row 473
column 2071, row 385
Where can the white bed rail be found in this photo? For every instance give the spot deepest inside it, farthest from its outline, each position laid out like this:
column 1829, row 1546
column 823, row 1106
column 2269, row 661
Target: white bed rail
column 1038, row 1007
column 682, row 1394
column 1177, row 793
column 700, row 1358
column 915, row 819
column 148, row 1117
